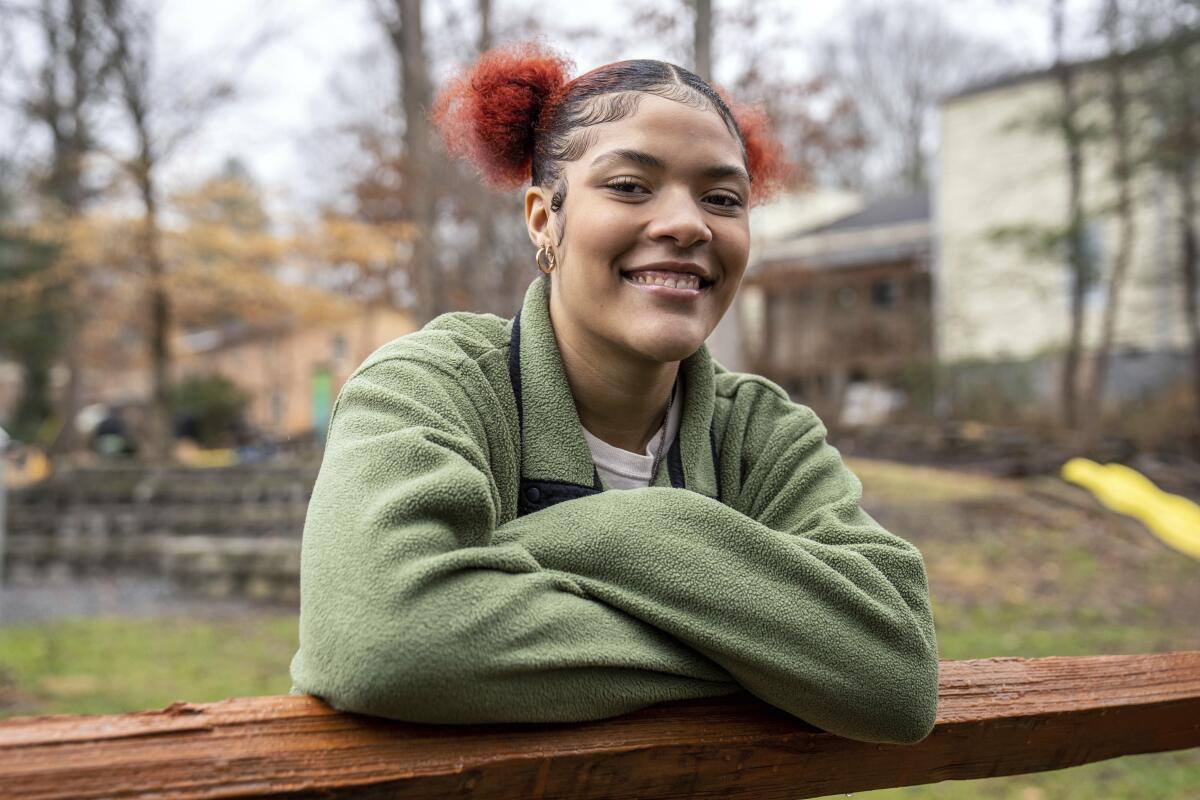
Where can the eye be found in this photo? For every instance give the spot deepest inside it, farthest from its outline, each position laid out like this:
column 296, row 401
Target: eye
column 724, row 199
column 626, row 186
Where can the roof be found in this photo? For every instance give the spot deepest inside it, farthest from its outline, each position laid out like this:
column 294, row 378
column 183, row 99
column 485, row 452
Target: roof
column 238, row 331
column 829, row 259
column 1026, row 76
column 889, row 230
column 893, row 210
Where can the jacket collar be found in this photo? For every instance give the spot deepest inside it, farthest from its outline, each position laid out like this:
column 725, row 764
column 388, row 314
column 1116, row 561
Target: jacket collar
column 556, row 463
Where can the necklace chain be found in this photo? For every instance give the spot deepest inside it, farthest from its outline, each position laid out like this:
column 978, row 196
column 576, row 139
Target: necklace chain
column 662, row 442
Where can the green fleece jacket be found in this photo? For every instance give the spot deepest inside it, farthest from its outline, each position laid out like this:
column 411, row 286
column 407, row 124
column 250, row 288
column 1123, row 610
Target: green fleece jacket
column 462, row 563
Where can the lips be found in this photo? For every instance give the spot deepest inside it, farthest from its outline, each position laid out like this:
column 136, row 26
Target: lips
column 667, row 285
column 672, row 280
column 669, row 274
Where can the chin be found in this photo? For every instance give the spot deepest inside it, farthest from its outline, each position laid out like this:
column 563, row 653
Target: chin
column 667, row 348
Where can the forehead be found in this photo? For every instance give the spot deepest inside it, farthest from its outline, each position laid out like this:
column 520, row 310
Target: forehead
column 669, row 129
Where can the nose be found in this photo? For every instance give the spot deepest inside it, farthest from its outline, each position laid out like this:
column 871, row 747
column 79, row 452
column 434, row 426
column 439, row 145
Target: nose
column 678, row 216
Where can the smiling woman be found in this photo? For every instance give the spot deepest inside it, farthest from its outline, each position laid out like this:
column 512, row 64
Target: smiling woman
column 576, row 513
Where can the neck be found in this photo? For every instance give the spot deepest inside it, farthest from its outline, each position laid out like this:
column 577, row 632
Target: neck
column 621, row 399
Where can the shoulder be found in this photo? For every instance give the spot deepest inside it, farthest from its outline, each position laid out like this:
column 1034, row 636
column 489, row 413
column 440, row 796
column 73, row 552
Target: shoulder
column 447, row 343
column 757, row 402
column 760, row 429
column 774, row 450
column 453, row 364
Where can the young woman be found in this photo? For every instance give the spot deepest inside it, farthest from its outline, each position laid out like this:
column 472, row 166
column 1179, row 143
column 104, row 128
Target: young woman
column 576, row 513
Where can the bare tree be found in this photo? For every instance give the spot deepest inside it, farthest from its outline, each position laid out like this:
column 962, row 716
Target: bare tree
column 403, row 23
column 898, row 60
column 1167, row 34
column 1117, row 97
column 1067, row 119
column 466, row 255
column 65, row 89
column 702, row 38
column 1177, row 107
column 159, row 120
column 816, row 121
column 132, row 34
column 489, row 258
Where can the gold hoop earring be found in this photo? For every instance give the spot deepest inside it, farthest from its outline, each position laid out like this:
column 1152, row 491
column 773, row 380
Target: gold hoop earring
column 550, row 263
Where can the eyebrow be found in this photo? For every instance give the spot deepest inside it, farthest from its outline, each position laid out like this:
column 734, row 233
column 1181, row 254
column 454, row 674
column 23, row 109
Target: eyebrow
column 646, row 159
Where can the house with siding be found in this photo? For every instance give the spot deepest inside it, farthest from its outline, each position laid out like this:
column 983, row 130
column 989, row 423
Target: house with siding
column 844, row 304
column 291, row 373
column 290, row 366
column 1002, row 311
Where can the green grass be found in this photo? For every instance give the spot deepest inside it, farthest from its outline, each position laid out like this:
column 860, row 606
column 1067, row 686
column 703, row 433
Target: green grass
column 1158, row 776
column 108, row 666
column 1010, row 575
column 112, row 665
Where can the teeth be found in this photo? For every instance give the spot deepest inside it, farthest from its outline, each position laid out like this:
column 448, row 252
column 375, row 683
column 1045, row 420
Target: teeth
column 683, row 281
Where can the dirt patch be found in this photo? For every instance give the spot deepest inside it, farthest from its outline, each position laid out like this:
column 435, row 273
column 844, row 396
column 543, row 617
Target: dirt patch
column 1039, row 543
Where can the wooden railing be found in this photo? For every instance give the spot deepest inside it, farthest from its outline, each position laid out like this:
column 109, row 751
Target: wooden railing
column 999, row 716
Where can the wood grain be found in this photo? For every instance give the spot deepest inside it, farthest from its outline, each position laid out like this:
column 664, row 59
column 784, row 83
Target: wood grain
column 996, row 717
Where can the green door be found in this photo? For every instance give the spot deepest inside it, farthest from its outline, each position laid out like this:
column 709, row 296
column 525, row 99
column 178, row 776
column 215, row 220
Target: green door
column 322, row 402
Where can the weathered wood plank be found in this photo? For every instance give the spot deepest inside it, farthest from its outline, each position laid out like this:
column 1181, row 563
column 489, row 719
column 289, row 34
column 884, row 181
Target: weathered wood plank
column 996, row 717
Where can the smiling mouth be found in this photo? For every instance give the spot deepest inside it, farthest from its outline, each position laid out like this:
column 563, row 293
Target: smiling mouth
column 667, row 279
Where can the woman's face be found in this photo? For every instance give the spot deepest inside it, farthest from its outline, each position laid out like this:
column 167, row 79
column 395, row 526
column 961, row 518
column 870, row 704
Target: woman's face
column 655, row 232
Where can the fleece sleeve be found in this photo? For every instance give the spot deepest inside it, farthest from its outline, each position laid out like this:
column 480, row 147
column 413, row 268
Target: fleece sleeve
column 805, row 599
column 409, row 610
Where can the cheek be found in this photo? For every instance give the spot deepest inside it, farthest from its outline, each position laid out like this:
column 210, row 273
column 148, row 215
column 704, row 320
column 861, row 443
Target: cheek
column 733, row 247
column 602, row 232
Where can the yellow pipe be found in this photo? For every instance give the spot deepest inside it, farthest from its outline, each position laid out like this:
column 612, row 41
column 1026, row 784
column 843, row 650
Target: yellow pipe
column 1174, row 519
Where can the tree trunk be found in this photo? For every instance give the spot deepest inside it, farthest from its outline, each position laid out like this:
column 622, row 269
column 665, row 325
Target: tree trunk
column 70, row 47
column 421, row 194
column 134, row 70
column 914, row 171
column 1072, row 140
column 488, row 258
column 1182, row 147
column 1127, row 229
column 1186, row 178
column 484, row 8
column 702, row 35
column 71, row 401
column 161, row 431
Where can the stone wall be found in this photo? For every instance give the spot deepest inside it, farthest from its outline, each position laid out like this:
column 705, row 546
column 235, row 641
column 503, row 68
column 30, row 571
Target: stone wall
column 217, row 532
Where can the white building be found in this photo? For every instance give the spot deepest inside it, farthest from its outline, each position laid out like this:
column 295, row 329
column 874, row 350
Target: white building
column 1003, row 184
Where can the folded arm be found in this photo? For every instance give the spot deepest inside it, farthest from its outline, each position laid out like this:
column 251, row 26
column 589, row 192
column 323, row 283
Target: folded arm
column 410, row 610
column 804, row 598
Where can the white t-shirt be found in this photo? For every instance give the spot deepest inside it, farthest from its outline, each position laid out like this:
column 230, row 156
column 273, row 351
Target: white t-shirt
column 623, row 469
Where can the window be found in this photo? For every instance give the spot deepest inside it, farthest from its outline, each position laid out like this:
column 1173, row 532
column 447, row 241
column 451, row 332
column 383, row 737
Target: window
column 884, row 294
column 339, row 347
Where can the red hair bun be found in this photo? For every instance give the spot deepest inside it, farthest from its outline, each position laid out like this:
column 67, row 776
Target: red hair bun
column 765, row 159
column 766, row 162
column 488, row 114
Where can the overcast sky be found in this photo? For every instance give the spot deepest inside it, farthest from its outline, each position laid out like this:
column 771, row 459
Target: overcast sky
column 287, row 86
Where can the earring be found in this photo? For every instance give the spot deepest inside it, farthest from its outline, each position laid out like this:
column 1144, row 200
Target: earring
column 550, row 263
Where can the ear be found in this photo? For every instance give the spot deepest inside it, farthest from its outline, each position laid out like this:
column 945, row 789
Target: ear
column 537, row 215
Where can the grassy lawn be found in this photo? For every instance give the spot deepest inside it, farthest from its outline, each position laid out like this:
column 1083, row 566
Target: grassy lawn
column 1037, row 568
column 1016, row 568
column 113, row 665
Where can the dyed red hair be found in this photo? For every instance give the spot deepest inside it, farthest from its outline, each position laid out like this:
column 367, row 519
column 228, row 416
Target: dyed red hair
column 765, row 160
column 489, row 114
column 512, row 114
